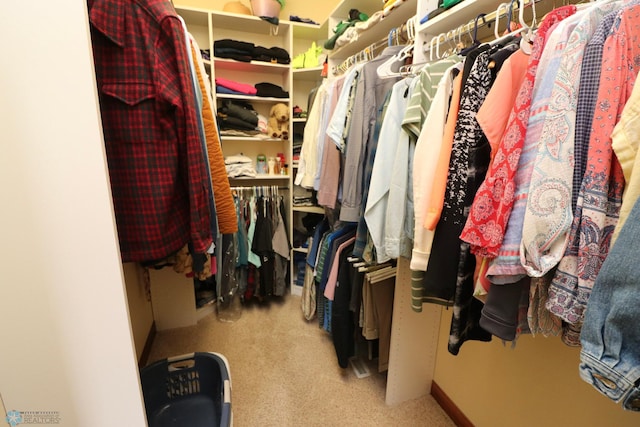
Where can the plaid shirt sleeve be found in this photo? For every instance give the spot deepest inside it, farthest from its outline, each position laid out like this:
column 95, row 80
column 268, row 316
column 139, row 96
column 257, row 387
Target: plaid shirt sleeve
column 156, row 166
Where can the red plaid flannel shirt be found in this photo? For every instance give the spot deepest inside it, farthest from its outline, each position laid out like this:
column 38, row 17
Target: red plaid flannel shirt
column 156, row 164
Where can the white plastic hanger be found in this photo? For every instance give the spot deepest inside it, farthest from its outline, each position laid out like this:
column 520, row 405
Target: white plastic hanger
column 444, row 38
column 527, row 36
column 391, row 67
column 496, row 32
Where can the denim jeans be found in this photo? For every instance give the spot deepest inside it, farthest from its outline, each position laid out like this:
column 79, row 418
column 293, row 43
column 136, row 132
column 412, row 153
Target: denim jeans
column 610, row 356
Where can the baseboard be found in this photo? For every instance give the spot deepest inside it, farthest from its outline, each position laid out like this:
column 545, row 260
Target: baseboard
column 449, row 406
column 144, row 357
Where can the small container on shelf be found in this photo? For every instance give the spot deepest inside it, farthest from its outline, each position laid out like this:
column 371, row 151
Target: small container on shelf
column 261, row 164
column 272, row 165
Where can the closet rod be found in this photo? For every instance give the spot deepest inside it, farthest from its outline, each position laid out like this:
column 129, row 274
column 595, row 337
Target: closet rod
column 258, row 186
column 371, row 51
column 487, row 20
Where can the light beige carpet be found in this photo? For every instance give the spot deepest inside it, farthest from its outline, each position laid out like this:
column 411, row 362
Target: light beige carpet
column 284, row 372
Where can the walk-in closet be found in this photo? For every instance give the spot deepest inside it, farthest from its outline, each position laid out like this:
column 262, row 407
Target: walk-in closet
column 340, row 213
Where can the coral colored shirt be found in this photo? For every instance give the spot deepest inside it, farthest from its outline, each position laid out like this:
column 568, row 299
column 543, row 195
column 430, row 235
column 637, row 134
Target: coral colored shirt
column 494, row 113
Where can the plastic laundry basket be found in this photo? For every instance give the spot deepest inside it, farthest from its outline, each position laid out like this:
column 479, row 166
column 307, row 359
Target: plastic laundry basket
column 193, row 390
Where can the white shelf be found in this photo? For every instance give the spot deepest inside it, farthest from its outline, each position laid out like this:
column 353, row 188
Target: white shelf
column 260, row 177
column 301, row 250
column 341, row 11
column 249, row 138
column 456, row 16
column 299, row 120
column 207, row 62
column 309, row 209
column 253, row 66
column 395, row 19
column 247, row 23
column 309, row 31
column 309, row 74
column 194, row 16
column 252, row 98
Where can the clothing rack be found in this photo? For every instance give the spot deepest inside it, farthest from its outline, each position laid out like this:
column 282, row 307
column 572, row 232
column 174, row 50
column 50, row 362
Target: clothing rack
column 404, row 34
column 259, row 190
column 503, row 10
column 254, row 187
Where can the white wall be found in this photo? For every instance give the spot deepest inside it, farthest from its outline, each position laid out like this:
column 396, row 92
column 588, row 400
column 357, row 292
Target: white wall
column 65, row 339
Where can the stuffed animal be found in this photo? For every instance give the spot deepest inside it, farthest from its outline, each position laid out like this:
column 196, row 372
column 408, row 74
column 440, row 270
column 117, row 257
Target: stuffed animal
column 278, row 124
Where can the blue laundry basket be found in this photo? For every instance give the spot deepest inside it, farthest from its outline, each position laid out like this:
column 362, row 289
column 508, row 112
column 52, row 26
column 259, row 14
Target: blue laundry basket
column 192, row 390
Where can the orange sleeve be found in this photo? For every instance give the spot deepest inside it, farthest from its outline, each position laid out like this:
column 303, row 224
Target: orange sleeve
column 435, row 203
column 225, row 208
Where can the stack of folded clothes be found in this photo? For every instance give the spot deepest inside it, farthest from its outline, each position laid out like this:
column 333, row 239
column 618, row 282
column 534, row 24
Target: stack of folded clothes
column 270, row 90
column 265, row 89
column 231, row 87
column 247, row 52
column 239, row 165
column 272, row 54
column 238, row 116
column 233, row 49
column 303, row 201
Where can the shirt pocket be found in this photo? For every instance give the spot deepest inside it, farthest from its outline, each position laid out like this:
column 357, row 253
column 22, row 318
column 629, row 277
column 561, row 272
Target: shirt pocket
column 129, row 113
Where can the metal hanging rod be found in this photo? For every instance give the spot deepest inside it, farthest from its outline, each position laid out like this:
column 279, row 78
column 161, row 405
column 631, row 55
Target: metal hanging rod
column 408, row 29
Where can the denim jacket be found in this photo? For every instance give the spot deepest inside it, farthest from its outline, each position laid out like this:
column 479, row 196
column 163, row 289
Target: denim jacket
column 610, row 356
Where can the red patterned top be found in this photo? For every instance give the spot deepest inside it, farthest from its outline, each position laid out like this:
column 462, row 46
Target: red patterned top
column 492, row 205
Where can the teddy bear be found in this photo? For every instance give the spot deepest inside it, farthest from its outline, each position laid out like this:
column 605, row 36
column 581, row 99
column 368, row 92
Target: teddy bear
column 278, row 123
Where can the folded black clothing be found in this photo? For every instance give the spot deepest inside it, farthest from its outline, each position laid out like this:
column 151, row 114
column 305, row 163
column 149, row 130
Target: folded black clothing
column 274, row 54
column 279, row 53
column 232, row 53
column 229, row 50
column 270, row 90
column 243, row 104
column 233, row 44
column 237, row 57
column 303, row 20
column 243, row 114
column 230, row 122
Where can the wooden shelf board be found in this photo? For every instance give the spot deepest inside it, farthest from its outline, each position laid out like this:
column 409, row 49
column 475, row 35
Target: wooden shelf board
column 309, row 209
column 377, row 32
column 309, row 31
column 248, row 23
column 310, row 74
column 457, row 15
column 251, row 98
column 194, row 16
column 253, row 66
column 260, row 177
column 249, row 138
